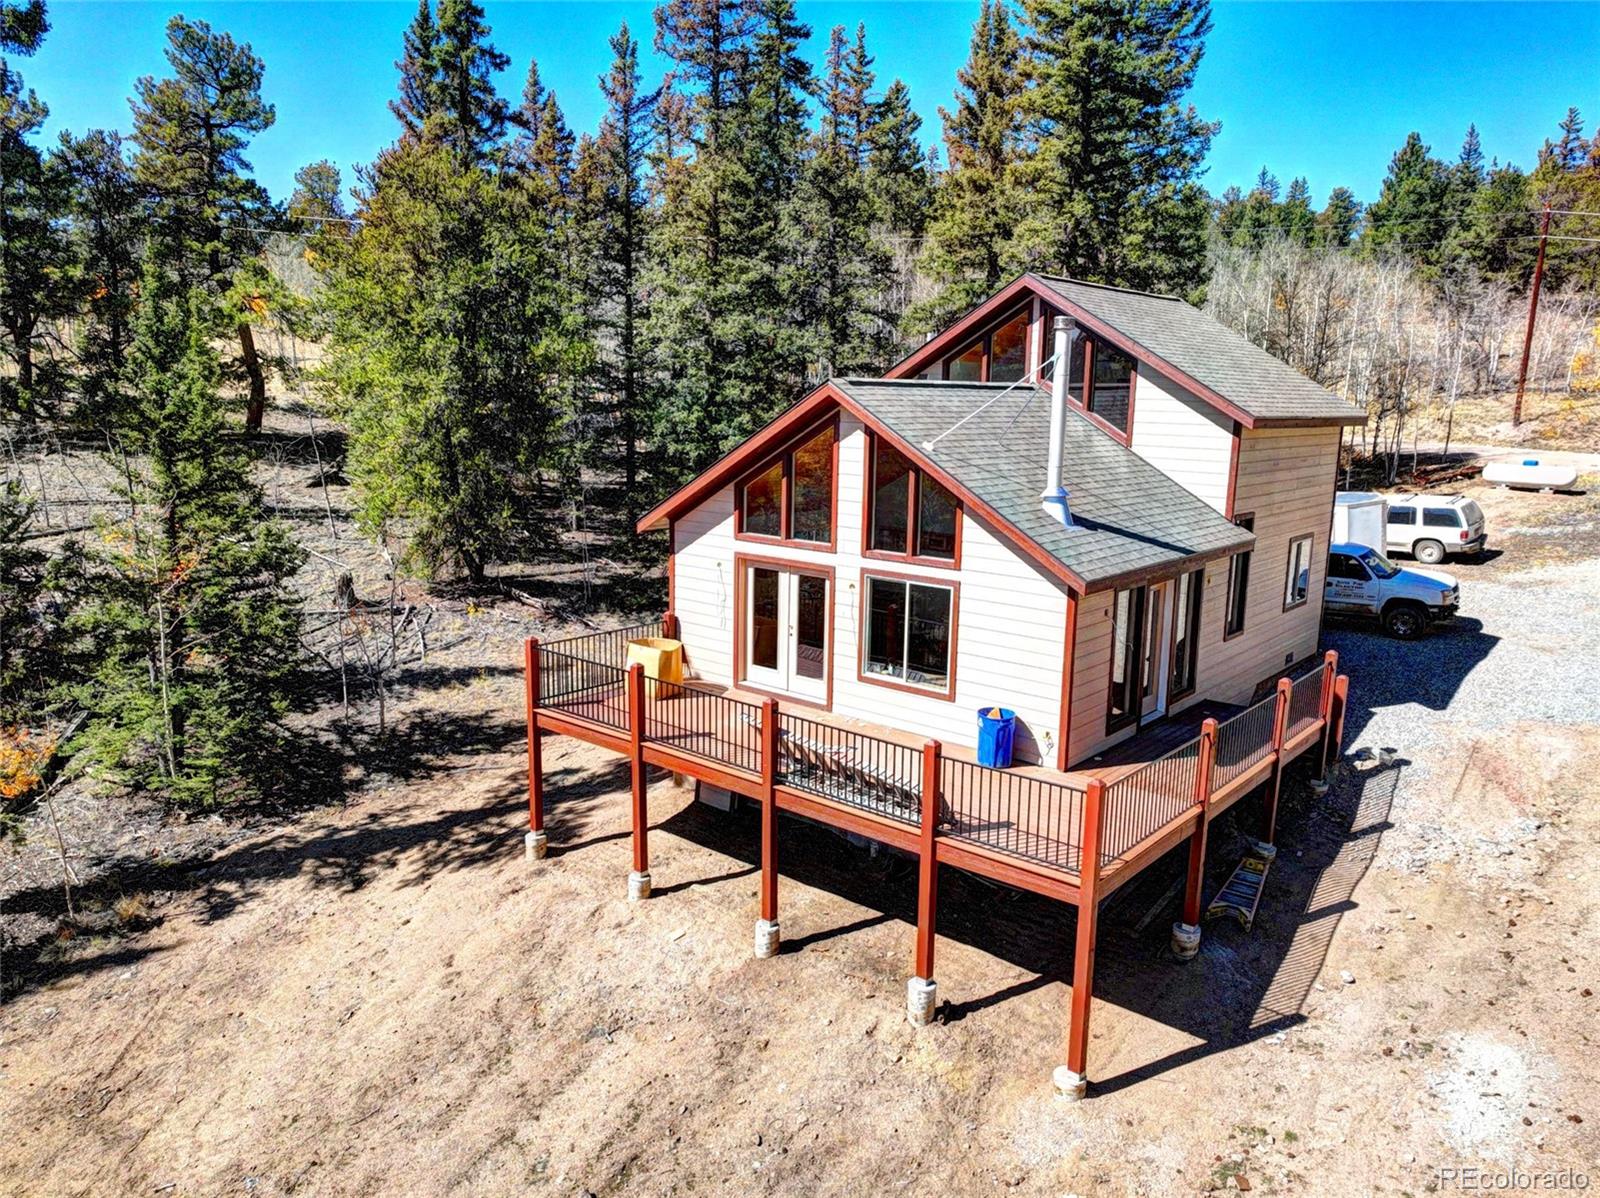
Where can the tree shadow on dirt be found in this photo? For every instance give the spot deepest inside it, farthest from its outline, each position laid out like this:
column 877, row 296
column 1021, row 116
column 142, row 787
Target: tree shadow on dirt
column 329, row 852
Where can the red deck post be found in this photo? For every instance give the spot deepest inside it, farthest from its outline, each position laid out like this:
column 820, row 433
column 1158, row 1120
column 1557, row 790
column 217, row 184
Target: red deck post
column 767, row 924
column 1341, row 702
column 1330, row 660
column 1186, row 935
column 1072, row 1080
column 669, row 625
column 922, row 992
column 639, row 879
column 534, row 843
column 1280, row 729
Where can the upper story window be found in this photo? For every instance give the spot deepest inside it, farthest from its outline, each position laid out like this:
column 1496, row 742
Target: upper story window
column 1101, row 381
column 909, row 514
column 999, row 356
column 791, row 498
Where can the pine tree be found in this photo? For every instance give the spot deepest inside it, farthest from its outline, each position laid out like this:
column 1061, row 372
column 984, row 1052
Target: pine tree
column 979, row 200
column 728, row 349
column 36, row 259
column 622, row 150
column 1568, row 151
column 1295, row 218
column 30, row 647
column 1462, row 180
column 318, row 194
column 109, row 225
column 844, row 265
column 1409, row 215
column 1114, row 178
column 419, row 73
column 1339, row 219
column 898, row 178
column 191, row 131
column 22, row 26
column 451, row 334
column 1497, row 213
column 470, row 115
column 194, row 628
column 859, row 80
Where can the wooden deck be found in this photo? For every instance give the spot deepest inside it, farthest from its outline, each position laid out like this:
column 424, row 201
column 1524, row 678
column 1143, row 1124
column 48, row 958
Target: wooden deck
column 1075, row 836
column 1028, row 817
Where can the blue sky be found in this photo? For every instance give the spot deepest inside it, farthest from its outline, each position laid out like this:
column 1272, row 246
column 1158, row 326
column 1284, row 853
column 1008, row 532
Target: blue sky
column 1327, row 90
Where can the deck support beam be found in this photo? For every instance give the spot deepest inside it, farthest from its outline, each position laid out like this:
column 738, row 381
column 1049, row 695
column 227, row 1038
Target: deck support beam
column 1186, row 932
column 1330, row 678
column 639, row 878
column 922, row 992
column 1072, row 1079
column 1280, row 728
column 766, row 943
column 1333, row 725
column 535, row 842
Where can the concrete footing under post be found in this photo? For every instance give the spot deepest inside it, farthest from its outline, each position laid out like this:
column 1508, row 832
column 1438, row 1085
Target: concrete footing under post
column 1071, row 1086
column 1259, row 848
column 766, row 938
column 1319, row 787
column 922, row 996
column 534, row 845
column 638, row 886
column 1185, row 941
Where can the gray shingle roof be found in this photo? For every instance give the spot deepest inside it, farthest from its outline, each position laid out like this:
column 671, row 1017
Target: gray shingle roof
column 1130, row 516
column 1209, row 352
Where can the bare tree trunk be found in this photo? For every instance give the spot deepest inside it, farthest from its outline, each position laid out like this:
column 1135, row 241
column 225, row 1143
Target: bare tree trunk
column 256, row 407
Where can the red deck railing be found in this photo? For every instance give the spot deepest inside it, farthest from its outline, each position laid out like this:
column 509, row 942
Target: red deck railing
column 1308, row 700
column 1018, row 814
column 1022, row 815
column 849, row 767
column 1243, row 742
column 687, row 720
column 1140, row 804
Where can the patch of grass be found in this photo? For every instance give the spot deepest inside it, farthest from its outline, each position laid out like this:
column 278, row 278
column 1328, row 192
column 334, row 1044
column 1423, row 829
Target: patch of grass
column 1224, row 1171
column 1290, row 1137
column 132, row 908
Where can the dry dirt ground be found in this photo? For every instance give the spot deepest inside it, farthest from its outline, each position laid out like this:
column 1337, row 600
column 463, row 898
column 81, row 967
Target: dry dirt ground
column 382, row 997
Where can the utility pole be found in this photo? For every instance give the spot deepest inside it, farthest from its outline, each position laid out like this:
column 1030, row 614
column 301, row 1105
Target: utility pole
column 1533, row 310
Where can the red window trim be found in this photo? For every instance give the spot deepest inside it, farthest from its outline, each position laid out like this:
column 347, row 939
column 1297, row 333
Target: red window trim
column 782, row 455
column 741, row 665
column 1196, row 617
column 1245, row 520
column 913, row 502
column 1080, row 401
column 1116, row 723
column 985, row 339
column 1311, row 557
column 947, row 695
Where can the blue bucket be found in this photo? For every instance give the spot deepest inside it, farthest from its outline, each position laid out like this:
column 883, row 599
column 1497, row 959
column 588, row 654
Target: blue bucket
column 996, row 736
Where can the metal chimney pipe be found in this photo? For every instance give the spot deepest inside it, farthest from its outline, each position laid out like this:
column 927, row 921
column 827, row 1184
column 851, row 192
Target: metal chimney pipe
column 1054, row 498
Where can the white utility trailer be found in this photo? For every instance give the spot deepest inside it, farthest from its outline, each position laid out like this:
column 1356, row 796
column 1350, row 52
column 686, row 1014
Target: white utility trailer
column 1360, row 518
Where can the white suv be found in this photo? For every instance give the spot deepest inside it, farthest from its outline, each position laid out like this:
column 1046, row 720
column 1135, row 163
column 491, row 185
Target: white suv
column 1429, row 527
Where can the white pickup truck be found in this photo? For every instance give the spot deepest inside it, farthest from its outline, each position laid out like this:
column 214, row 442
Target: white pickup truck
column 1362, row 582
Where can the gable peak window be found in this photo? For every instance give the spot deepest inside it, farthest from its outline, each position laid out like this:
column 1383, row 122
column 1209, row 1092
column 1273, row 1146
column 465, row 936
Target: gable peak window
column 999, row 355
column 791, row 497
column 1101, row 380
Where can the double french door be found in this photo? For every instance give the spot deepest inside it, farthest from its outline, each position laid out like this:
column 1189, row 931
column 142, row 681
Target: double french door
column 787, row 630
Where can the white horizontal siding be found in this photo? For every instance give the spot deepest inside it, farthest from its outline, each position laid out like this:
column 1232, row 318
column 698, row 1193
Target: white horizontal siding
column 1011, row 618
column 1184, row 437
